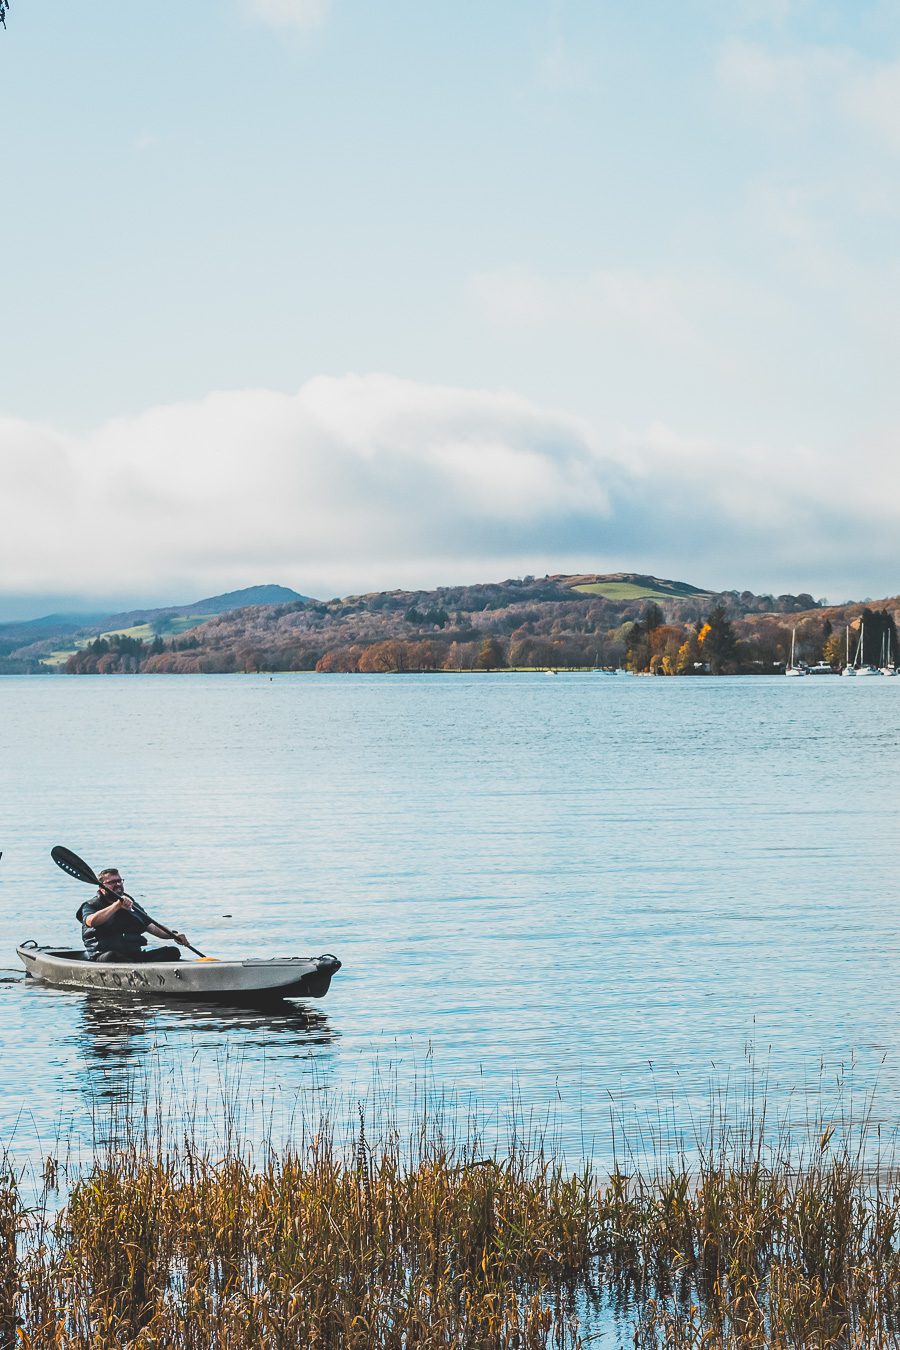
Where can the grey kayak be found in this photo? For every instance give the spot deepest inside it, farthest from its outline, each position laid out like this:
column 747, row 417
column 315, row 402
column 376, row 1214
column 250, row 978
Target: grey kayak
column 280, row 977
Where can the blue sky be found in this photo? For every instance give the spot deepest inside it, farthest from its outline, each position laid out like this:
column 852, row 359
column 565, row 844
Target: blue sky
column 350, row 296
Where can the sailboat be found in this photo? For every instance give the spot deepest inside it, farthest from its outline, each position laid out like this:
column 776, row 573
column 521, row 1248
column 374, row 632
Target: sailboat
column 848, row 668
column 862, row 669
column 888, row 667
column 791, row 669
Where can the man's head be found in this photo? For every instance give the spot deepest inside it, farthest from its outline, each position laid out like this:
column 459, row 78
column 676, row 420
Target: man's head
column 111, row 880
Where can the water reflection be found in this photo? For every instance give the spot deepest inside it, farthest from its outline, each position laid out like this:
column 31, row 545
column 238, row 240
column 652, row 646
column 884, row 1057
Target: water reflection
column 123, row 1042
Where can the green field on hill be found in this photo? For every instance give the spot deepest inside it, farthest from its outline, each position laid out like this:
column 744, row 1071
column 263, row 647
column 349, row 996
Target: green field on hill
column 170, row 627
column 166, row 628
column 631, row 590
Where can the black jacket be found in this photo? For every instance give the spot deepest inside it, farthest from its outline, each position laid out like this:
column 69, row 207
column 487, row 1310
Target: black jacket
column 124, row 932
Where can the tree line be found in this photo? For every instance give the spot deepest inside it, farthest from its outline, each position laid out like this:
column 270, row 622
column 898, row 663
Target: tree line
column 364, row 641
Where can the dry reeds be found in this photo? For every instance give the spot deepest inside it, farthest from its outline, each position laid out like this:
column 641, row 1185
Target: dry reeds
column 377, row 1247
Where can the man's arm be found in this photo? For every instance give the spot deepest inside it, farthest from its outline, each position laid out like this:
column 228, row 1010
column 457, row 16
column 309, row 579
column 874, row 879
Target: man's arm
column 163, row 933
column 101, row 916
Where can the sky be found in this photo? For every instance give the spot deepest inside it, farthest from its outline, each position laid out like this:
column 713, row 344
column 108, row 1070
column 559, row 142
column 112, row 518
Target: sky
column 349, row 297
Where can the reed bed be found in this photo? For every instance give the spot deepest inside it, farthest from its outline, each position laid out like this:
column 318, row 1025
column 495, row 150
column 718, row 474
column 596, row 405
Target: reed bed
column 336, row 1242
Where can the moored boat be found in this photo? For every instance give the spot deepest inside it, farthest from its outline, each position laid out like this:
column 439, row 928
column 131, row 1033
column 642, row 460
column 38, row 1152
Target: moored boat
column 862, row 668
column 791, row 668
column 254, row 978
column 849, row 668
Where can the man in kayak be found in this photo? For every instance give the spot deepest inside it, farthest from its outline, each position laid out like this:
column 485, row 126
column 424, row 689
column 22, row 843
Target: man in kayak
column 113, row 930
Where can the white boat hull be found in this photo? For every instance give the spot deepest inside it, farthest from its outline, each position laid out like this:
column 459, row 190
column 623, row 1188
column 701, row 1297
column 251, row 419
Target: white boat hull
column 281, row 977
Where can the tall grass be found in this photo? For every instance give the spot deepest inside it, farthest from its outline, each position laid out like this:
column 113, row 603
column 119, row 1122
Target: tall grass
column 431, row 1241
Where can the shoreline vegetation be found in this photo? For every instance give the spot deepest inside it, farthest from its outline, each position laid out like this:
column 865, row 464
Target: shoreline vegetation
column 355, row 1236
column 621, row 622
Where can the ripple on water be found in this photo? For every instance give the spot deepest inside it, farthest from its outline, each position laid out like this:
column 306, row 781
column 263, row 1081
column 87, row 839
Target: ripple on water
column 589, row 894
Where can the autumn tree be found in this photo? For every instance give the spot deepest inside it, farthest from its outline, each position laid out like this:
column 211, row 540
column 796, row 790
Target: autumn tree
column 665, row 641
column 490, row 655
column 383, row 658
column 461, row 656
column 339, row 659
column 834, row 650
column 688, row 656
column 637, row 648
column 718, row 641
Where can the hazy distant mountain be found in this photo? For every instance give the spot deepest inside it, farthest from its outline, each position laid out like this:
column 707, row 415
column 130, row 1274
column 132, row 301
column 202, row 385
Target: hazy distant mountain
column 31, row 639
column 213, row 604
column 21, row 633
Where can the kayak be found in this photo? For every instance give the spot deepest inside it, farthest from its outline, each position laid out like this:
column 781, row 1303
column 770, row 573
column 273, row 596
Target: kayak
column 280, row 977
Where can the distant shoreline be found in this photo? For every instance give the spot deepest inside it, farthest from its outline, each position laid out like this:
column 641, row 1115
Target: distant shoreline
column 54, row 673
column 554, row 623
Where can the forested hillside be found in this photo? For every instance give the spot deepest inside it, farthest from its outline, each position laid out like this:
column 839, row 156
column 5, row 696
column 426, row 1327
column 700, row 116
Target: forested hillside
column 41, row 644
column 637, row 622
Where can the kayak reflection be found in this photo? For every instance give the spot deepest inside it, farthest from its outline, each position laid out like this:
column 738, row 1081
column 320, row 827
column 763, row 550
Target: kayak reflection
column 125, row 1042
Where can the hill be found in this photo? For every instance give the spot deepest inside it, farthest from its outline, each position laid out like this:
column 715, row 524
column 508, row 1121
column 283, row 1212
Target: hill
column 52, row 639
column 618, row 619
column 200, row 609
column 590, row 620
column 24, row 632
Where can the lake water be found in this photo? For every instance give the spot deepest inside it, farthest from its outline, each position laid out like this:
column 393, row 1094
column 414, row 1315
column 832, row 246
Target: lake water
column 590, row 896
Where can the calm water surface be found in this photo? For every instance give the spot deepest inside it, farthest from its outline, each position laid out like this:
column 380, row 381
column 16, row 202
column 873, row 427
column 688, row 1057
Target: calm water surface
column 589, row 894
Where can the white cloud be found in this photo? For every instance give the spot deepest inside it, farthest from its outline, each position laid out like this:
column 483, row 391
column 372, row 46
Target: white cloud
column 302, row 15
column 653, row 304
column 368, row 482
column 773, row 518
column 695, row 316
column 822, row 83
column 801, row 76
column 347, row 477
column 872, row 99
column 773, row 12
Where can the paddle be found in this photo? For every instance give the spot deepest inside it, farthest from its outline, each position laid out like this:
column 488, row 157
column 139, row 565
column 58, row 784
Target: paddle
column 78, row 868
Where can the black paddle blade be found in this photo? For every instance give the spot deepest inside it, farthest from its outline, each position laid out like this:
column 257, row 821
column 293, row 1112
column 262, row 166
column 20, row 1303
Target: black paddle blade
column 75, row 866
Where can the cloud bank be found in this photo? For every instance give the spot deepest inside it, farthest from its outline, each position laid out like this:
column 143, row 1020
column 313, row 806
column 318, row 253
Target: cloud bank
column 360, row 483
